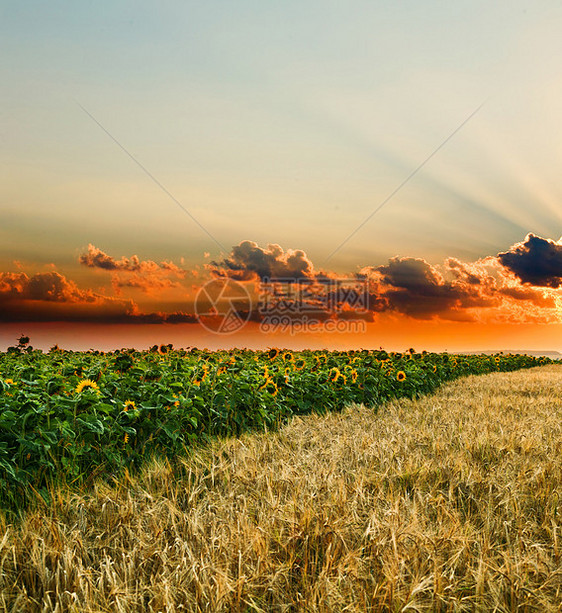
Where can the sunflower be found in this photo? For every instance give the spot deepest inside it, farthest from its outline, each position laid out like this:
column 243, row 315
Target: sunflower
column 435, row 368
column 9, row 381
column 199, row 380
column 300, row 364
column 270, row 387
column 334, row 374
column 129, row 404
column 288, row 356
column 272, row 353
column 126, row 439
column 353, row 375
column 400, row 375
column 87, row 383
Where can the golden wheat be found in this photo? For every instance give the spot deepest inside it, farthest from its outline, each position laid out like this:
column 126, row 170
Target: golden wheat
column 448, row 503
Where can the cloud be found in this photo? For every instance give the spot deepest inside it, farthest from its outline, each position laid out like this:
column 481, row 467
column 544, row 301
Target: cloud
column 457, row 291
column 49, row 296
column 516, row 286
column 46, row 286
column 523, row 294
column 413, row 274
column 160, row 318
column 247, row 261
column 535, row 261
column 289, row 285
column 405, row 286
column 134, row 273
column 413, row 287
column 96, row 258
column 149, row 284
column 465, row 272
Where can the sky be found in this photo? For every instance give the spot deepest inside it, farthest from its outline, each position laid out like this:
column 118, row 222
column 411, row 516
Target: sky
column 150, row 151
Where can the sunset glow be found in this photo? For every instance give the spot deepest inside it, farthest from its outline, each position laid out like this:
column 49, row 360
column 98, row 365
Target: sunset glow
column 151, row 150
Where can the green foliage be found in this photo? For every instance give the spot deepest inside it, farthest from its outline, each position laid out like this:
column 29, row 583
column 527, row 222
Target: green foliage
column 72, row 416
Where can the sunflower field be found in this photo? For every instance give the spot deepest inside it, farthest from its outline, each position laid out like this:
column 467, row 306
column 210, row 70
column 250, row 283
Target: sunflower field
column 75, row 416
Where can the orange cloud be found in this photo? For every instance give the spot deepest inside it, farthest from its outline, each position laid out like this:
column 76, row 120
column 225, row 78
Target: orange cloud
column 460, row 291
column 455, row 291
column 49, row 296
column 515, row 286
column 46, row 286
column 149, row 284
column 96, row 258
column 145, row 275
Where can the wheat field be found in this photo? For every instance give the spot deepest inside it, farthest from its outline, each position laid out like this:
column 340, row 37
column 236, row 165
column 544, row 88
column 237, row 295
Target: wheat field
column 446, row 503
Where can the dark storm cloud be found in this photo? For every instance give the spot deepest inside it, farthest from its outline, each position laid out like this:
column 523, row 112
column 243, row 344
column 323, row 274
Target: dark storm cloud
column 535, row 261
